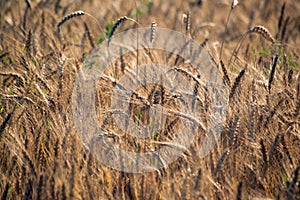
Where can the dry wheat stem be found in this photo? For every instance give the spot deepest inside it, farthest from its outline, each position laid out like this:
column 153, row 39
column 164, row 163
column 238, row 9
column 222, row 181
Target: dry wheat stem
column 261, row 30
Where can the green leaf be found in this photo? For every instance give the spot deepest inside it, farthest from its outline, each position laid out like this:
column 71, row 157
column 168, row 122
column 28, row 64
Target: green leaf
column 264, row 52
column 101, row 40
column 108, row 28
column 285, row 177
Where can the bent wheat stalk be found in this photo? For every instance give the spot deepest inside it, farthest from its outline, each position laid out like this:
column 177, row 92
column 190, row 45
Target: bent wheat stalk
column 261, row 30
column 77, row 14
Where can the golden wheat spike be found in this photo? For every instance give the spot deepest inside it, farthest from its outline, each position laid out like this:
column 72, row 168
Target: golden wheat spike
column 263, row 32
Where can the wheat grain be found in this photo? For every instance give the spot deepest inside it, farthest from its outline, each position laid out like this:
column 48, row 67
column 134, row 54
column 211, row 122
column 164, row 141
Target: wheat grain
column 284, row 28
column 28, row 44
column 274, row 147
column 272, row 72
column 280, row 19
column 40, row 186
column 286, row 150
column 239, row 191
column 237, row 83
column 70, row 16
column 116, row 25
column 221, row 161
column 294, row 181
column 28, row 191
column 263, row 151
column 152, row 34
column 273, row 112
column 225, row 77
column 263, row 32
column 188, row 23
column 232, row 133
column 25, row 18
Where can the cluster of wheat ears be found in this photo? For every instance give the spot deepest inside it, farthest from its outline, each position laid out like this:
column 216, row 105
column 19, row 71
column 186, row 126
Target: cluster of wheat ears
column 41, row 52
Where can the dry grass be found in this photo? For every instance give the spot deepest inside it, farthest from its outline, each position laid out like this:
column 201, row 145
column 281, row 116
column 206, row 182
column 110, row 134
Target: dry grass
column 257, row 156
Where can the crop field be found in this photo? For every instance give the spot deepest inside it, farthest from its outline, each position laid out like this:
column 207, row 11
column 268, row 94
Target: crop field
column 252, row 46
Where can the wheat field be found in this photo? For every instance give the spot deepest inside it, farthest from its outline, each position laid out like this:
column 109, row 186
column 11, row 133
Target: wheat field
column 255, row 47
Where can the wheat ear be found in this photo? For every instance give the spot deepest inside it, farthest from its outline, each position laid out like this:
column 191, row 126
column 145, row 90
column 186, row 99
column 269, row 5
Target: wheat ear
column 120, row 21
column 225, row 77
column 237, row 83
column 263, row 31
column 153, row 28
column 70, row 16
column 272, row 72
column 280, row 19
column 221, row 161
column 77, row 14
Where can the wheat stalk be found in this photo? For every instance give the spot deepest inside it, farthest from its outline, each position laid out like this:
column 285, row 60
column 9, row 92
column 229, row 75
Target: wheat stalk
column 89, row 35
column 233, row 5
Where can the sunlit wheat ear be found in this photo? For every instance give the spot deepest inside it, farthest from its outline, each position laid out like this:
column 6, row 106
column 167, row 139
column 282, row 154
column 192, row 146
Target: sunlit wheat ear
column 263, row 32
column 120, row 21
column 188, row 22
column 153, row 28
column 70, row 16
